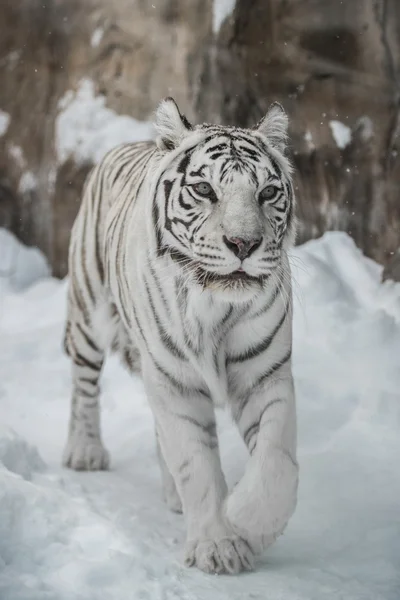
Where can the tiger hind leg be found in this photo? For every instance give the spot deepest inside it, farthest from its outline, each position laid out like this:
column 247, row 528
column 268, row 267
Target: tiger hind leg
column 84, row 450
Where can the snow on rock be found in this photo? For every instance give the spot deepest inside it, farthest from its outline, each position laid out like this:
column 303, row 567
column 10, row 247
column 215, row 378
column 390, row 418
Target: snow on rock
column 86, row 129
column 27, row 183
column 309, row 140
column 97, row 36
column 109, row 536
column 222, row 9
column 4, row 122
column 17, row 154
column 20, row 266
column 341, row 133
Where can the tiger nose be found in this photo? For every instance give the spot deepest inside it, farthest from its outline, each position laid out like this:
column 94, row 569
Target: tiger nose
column 242, row 248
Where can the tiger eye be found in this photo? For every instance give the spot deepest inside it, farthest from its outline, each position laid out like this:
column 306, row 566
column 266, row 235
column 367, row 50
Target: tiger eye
column 203, row 188
column 268, row 192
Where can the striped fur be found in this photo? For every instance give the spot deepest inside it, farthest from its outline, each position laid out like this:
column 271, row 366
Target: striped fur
column 178, row 261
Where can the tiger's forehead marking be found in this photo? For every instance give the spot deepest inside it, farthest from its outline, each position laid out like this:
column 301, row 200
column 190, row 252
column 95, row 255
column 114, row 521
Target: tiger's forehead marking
column 232, row 153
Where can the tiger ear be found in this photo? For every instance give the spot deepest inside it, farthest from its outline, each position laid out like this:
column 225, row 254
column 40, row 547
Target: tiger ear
column 170, row 124
column 274, row 126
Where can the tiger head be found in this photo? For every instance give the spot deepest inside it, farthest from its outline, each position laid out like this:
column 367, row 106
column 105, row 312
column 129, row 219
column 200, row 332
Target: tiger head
column 223, row 200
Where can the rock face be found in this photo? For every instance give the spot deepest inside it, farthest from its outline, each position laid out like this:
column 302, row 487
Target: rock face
column 134, row 52
column 334, row 66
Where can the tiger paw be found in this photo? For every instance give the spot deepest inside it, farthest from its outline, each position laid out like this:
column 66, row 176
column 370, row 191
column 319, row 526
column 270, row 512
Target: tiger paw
column 258, row 509
column 227, row 555
column 86, row 455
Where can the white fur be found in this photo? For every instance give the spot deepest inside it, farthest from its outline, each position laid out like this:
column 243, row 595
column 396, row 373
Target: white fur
column 207, row 345
column 169, row 124
column 274, row 126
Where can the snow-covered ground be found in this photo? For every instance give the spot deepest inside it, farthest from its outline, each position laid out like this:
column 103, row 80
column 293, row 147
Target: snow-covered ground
column 108, row 536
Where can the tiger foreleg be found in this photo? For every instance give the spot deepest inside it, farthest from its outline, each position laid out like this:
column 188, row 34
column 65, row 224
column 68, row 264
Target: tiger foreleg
column 188, row 438
column 170, row 493
column 261, row 504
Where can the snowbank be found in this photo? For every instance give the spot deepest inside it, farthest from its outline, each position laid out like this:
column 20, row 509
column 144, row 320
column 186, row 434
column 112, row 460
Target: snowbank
column 109, row 536
column 86, row 129
column 20, row 265
column 341, row 133
column 17, row 455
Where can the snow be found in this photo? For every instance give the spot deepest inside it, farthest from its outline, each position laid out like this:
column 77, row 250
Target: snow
column 341, row 133
column 97, row 36
column 308, row 137
column 86, row 129
column 4, row 122
column 222, row 9
column 20, row 266
column 17, row 455
column 17, row 154
column 108, row 536
column 27, row 183
column 309, row 140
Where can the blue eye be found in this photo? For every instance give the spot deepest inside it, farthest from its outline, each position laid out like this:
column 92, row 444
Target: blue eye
column 203, row 189
column 268, row 193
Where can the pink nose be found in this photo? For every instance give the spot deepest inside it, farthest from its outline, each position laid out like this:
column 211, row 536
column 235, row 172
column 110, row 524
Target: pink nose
column 242, row 248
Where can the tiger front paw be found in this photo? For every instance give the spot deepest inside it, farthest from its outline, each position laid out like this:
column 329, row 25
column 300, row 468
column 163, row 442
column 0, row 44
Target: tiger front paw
column 226, row 555
column 261, row 504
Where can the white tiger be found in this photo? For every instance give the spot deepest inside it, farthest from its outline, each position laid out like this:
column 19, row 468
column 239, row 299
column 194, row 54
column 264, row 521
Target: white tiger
column 179, row 251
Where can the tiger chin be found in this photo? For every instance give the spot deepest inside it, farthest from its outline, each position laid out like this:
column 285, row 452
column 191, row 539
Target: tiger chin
column 178, row 262
column 235, row 287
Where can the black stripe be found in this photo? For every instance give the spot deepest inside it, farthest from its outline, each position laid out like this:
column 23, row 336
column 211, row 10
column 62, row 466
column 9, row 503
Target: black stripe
column 217, row 338
column 135, row 167
column 90, row 380
column 159, row 288
column 181, row 201
column 87, row 339
column 82, row 361
column 83, row 260
column 76, row 296
column 220, row 147
column 255, row 426
column 85, row 393
column 182, row 295
column 138, row 325
column 278, row 170
column 269, row 304
column 184, row 163
column 262, row 346
column 157, row 229
column 178, row 384
column 96, row 209
column 120, row 281
column 209, row 428
column 163, row 335
column 199, row 172
column 205, row 255
column 275, row 367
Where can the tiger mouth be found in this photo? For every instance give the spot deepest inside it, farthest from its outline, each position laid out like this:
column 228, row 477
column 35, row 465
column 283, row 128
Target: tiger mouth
column 234, row 279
